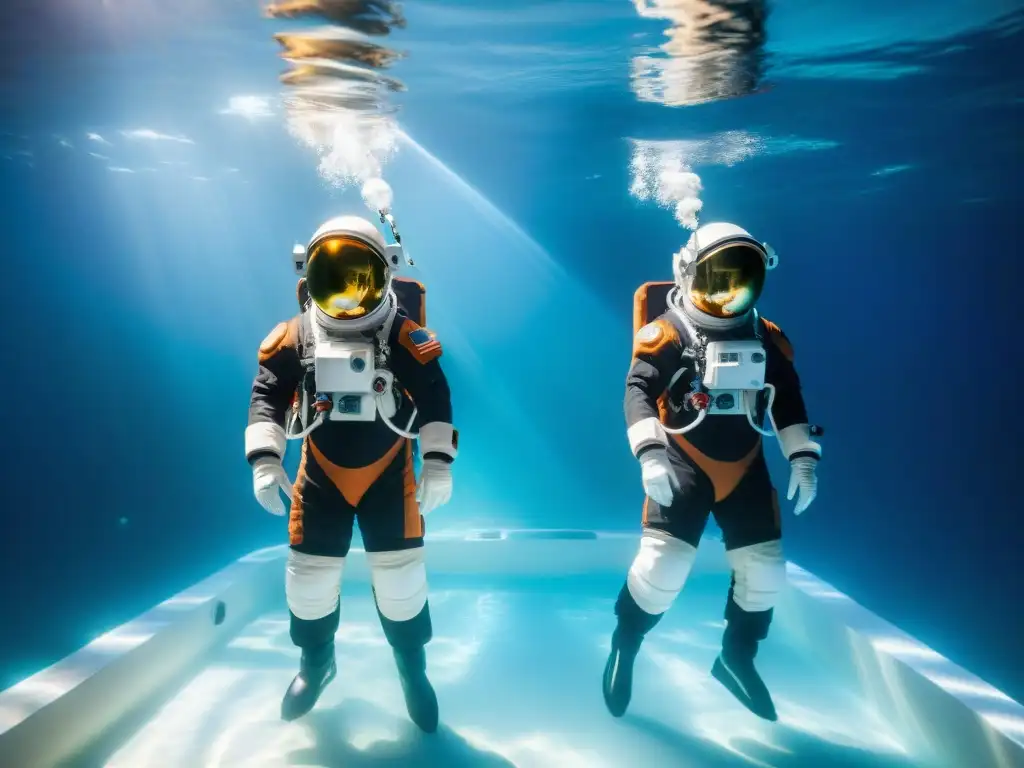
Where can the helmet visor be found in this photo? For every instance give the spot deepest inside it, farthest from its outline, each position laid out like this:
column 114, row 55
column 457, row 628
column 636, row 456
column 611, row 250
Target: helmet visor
column 346, row 277
column 728, row 281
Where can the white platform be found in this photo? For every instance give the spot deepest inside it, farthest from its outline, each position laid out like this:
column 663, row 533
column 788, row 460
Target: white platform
column 522, row 621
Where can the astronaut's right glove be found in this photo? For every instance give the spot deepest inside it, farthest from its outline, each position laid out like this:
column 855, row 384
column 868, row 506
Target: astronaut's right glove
column 803, row 476
column 657, row 475
column 803, row 453
column 269, row 481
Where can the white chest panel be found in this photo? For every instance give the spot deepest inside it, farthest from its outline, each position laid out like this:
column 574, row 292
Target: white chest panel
column 346, row 371
column 735, row 365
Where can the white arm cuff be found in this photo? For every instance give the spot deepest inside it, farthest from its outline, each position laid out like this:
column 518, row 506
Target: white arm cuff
column 438, row 437
column 265, row 436
column 797, row 438
column 646, row 432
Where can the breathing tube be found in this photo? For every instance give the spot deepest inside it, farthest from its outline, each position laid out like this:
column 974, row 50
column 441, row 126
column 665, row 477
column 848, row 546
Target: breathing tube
column 701, row 402
column 324, row 403
column 383, row 387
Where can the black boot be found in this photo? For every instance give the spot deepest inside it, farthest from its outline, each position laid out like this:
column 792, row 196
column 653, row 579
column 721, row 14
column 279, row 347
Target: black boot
column 317, row 667
column 734, row 667
column 634, row 623
column 408, row 640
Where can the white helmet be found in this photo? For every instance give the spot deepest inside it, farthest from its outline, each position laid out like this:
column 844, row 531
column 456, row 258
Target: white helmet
column 348, row 226
column 348, row 269
column 721, row 270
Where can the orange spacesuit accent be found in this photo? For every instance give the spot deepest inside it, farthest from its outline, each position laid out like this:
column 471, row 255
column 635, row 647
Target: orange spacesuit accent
column 724, row 475
column 779, row 339
column 419, row 342
column 641, row 302
column 353, row 482
column 296, row 532
column 414, row 526
column 283, row 334
column 656, row 335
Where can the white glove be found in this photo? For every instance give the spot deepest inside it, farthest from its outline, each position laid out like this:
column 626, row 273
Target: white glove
column 657, row 475
column 803, row 476
column 435, row 486
column 269, row 481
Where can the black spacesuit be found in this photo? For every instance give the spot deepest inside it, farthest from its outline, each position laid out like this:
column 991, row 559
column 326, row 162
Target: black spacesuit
column 356, row 365
column 706, row 375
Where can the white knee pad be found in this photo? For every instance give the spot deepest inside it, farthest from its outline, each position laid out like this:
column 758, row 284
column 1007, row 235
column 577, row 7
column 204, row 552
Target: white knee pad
column 659, row 572
column 399, row 582
column 312, row 584
column 760, row 573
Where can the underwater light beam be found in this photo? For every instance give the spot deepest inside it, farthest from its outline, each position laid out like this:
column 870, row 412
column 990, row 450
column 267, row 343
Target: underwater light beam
column 504, row 303
column 494, row 214
column 520, row 276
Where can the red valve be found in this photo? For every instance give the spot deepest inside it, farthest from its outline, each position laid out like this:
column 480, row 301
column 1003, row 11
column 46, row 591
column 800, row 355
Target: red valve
column 699, row 401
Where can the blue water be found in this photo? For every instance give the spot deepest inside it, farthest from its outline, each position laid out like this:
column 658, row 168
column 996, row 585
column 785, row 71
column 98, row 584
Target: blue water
column 883, row 163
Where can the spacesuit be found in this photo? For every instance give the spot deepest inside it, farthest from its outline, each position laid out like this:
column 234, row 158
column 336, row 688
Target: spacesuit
column 707, row 375
column 354, row 368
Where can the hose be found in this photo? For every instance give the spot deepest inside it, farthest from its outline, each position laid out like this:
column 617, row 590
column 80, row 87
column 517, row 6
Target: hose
column 768, row 410
column 701, row 415
column 391, row 425
column 305, row 433
column 749, row 412
column 400, row 432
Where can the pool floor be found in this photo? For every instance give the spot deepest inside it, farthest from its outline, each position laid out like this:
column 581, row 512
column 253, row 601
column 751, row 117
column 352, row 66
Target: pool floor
column 517, row 670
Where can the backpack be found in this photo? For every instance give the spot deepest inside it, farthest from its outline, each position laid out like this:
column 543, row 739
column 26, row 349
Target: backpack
column 649, row 303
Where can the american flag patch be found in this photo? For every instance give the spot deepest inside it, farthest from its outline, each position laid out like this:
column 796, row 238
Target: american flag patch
column 422, row 344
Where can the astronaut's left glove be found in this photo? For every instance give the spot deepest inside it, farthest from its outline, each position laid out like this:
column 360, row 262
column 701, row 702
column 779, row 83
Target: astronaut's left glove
column 439, row 444
column 803, row 476
column 435, row 486
column 803, row 454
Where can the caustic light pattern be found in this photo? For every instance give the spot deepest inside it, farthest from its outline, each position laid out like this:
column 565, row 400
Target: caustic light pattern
column 518, row 678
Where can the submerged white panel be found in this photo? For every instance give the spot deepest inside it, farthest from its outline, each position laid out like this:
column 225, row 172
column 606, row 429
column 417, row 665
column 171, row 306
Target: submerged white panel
column 55, row 713
column 934, row 702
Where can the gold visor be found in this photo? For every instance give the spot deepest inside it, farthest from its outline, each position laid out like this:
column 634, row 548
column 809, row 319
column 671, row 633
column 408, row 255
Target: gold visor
column 728, row 281
column 346, row 277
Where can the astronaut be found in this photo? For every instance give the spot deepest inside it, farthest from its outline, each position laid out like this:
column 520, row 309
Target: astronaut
column 707, row 374
column 358, row 368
